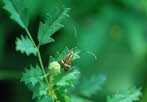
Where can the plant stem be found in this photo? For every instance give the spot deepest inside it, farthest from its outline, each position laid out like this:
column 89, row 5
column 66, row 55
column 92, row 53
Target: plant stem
column 49, row 83
column 39, row 56
column 52, row 94
column 42, row 67
column 51, row 86
column 29, row 34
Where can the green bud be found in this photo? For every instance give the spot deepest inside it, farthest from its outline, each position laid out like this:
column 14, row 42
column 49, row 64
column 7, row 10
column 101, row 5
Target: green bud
column 54, row 68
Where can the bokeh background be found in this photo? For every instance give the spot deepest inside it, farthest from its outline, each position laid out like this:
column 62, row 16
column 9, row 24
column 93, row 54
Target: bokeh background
column 115, row 30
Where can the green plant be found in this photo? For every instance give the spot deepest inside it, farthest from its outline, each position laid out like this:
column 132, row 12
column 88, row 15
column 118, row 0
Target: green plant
column 50, row 83
column 45, row 86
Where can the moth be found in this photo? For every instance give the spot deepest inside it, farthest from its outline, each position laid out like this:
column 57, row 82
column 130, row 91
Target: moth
column 67, row 60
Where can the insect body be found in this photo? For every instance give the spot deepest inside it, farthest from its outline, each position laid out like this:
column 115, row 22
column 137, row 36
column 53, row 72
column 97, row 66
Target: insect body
column 66, row 61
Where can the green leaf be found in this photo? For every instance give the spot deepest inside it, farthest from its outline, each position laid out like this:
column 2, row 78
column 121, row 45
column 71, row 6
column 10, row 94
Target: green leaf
column 60, row 56
column 66, row 79
column 18, row 12
column 95, row 83
column 32, row 75
column 67, row 99
column 130, row 95
column 45, row 99
column 63, row 82
column 33, row 79
column 79, row 99
column 40, row 90
column 25, row 45
column 51, row 25
column 51, row 59
column 62, row 94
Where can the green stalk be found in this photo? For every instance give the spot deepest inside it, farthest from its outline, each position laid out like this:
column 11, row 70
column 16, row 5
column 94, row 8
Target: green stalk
column 52, row 94
column 51, row 86
column 29, row 34
column 39, row 57
column 49, row 83
column 42, row 67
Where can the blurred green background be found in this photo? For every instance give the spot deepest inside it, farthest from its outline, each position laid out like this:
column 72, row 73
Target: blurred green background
column 115, row 30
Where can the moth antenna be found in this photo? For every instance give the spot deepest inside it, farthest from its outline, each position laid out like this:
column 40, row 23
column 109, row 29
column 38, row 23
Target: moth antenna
column 88, row 53
column 75, row 35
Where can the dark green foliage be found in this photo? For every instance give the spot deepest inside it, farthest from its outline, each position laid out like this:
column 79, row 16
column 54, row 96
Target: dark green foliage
column 87, row 88
column 63, row 82
column 129, row 95
column 115, row 30
column 36, row 79
column 33, row 78
column 95, row 83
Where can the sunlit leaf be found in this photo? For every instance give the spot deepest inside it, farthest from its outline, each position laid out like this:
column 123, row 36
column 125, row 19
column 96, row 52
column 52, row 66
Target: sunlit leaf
column 25, row 45
column 18, row 12
column 51, row 25
column 65, row 79
column 32, row 75
column 40, row 90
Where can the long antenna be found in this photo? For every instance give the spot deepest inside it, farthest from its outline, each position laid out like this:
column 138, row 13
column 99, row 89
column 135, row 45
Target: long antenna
column 75, row 42
column 75, row 35
column 88, row 53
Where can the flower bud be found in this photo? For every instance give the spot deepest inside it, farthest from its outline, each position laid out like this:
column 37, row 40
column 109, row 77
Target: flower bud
column 54, row 68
